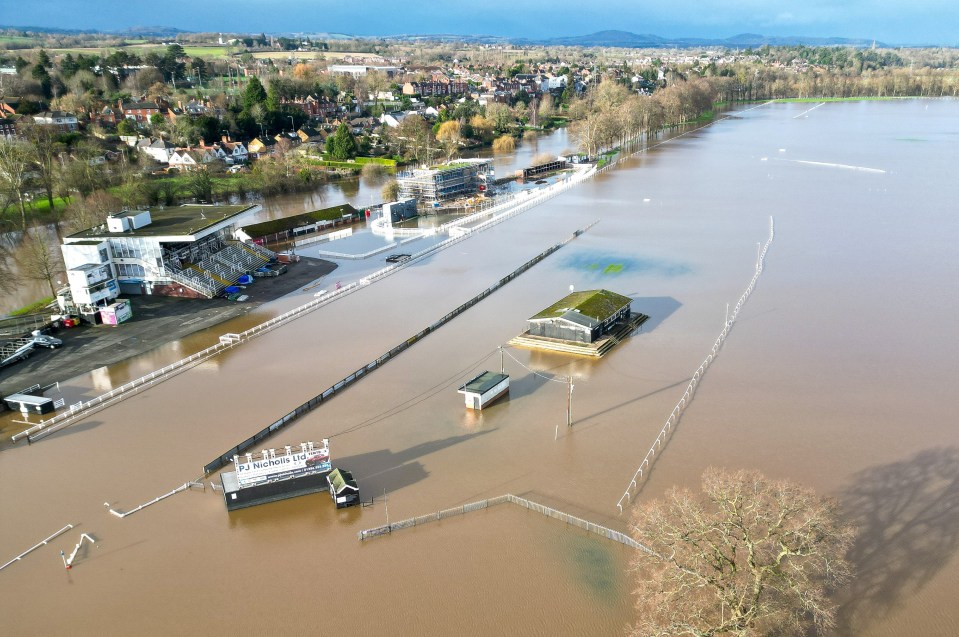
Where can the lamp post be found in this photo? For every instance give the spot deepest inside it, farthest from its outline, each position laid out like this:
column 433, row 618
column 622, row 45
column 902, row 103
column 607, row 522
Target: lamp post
column 292, row 125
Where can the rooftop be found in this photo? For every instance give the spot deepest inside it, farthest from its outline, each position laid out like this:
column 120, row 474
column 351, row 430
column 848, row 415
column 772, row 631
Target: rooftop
column 179, row 220
column 484, row 382
column 596, row 304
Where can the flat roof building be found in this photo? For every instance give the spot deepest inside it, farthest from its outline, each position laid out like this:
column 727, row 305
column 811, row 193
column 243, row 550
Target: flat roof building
column 185, row 251
column 484, row 389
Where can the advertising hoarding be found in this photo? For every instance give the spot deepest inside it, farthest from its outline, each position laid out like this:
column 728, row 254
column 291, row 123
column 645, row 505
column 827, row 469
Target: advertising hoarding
column 307, row 460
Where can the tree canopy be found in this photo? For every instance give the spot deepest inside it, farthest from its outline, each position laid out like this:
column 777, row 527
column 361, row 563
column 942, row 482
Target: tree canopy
column 751, row 557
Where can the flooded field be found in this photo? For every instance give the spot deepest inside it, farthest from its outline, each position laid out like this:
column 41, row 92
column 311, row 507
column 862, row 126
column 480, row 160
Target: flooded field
column 835, row 375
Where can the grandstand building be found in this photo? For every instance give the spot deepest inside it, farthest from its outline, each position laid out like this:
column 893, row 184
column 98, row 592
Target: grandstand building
column 187, row 251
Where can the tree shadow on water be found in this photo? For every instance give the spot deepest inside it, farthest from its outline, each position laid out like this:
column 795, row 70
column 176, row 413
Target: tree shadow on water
column 907, row 514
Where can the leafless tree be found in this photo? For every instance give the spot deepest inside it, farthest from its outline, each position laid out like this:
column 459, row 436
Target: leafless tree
column 15, row 171
column 751, row 557
column 39, row 259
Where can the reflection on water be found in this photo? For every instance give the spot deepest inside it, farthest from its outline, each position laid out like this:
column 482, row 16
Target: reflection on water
column 833, row 376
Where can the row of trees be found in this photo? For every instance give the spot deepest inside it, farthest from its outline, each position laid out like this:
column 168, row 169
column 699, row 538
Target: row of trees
column 609, row 114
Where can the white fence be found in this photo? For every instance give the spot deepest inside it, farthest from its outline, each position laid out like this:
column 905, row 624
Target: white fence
column 37, row 545
column 591, row 527
column 687, row 396
column 183, row 487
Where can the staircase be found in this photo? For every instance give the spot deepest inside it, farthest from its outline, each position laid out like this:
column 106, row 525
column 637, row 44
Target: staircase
column 221, row 269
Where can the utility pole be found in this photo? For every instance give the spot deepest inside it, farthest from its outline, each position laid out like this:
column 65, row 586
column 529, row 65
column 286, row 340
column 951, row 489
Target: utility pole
column 502, row 363
column 569, row 402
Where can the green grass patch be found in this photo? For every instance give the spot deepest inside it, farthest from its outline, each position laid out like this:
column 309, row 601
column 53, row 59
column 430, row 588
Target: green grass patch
column 42, row 204
column 34, row 307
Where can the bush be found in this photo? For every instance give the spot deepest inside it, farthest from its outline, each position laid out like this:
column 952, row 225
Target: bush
column 504, row 144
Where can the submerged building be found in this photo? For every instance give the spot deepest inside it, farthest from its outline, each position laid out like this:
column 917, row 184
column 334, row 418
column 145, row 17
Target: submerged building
column 588, row 323
column 457, row 179
column 582, row 316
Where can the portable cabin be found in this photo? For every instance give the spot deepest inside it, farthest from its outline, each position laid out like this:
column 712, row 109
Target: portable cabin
column 484, row 389
column 343, row 488
column 27, row 403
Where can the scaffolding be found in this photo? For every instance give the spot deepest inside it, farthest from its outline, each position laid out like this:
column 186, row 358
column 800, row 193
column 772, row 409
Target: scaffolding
column 439, row 183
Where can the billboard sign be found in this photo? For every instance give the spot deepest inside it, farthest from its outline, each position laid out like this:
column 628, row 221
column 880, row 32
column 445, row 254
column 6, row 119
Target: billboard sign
column 283, row 466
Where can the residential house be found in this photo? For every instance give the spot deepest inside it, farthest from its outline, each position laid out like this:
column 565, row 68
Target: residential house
column 430, row 89
column 188, row 159
column 260, row 146
column 236, row 152
column 63, row 121
column 392, row 119
column 139, row 112
column 159, row 149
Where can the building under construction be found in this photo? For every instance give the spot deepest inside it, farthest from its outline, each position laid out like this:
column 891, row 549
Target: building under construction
column 461, row 178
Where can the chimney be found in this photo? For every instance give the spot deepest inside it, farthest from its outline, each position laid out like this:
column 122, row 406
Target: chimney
column 225, row 138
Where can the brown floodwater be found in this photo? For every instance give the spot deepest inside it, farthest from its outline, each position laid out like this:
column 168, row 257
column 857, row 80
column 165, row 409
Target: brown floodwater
column 837, row 375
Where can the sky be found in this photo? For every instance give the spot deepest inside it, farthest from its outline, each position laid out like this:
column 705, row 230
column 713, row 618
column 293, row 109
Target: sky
column 903, row 22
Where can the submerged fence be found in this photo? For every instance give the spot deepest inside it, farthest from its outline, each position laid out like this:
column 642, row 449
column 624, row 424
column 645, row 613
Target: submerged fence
column 680, row 407
column 549, row 512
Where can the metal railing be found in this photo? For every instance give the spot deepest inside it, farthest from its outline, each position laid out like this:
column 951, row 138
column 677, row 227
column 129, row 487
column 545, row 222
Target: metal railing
column 37, row 545
column 591, row 527
column 687, row 396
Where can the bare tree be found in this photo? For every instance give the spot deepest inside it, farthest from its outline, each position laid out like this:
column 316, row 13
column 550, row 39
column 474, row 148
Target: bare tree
column 39, row 259
column 15, row 170
column 86, row 212
column 752, row 557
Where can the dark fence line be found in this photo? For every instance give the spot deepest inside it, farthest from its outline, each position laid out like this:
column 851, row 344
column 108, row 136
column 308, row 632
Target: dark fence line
column 225, row 458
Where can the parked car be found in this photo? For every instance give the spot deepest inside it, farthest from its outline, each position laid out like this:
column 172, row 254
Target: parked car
column 50, row 342
column 398, row 258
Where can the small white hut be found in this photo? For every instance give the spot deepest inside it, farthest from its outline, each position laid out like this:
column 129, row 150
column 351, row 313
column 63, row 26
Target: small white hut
column 484, row 389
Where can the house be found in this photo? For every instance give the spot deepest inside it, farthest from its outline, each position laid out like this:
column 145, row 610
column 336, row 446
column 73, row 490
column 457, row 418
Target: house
column 260, row 146
column 63, row 121
column 236, row 152
column 392, row 119
column 139, row 112
column 159, row 149
column 308, row 134
column 430, row 89
column 191, row 158
column 581, row 317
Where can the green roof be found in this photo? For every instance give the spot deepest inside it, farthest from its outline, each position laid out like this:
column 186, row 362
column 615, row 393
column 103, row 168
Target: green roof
column 597, row 304
column 339, row 479
column 177, row 220
column 288, row 223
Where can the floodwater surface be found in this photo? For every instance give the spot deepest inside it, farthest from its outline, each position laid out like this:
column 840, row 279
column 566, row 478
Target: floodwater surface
column 835, row 375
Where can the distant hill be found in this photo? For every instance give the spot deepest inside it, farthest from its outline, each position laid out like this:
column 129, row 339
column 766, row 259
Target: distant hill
column 627, row 39
column 155, row 31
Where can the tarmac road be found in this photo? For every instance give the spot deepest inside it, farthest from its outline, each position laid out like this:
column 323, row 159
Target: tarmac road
column 156, row 320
